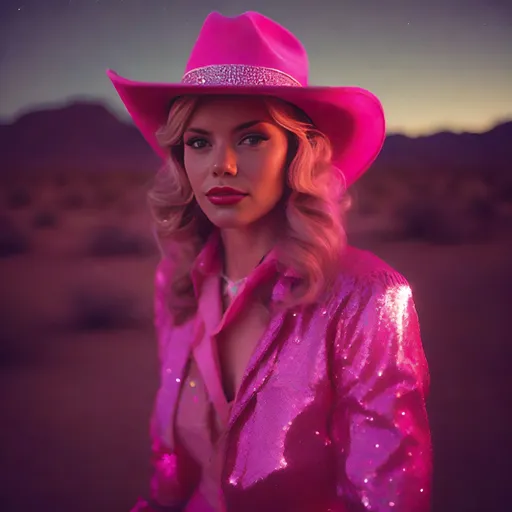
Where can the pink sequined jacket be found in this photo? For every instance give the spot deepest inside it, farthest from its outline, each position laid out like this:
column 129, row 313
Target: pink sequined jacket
column 331, row 413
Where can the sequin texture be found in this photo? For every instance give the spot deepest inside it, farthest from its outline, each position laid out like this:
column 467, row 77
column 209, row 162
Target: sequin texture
column 238, row 75
column 336, row 422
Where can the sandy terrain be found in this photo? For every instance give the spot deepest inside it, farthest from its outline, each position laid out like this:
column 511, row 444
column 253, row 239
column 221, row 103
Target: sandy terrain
column 78, row 362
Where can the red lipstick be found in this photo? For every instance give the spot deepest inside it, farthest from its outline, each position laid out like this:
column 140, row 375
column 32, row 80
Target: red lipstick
column 225, row 196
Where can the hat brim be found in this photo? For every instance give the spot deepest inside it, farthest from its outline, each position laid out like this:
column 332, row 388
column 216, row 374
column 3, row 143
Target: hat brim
column 351, row 117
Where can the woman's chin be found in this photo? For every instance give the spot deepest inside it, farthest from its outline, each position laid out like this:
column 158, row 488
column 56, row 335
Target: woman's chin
column 228, row 222
column 229, row 218
column 238, row 216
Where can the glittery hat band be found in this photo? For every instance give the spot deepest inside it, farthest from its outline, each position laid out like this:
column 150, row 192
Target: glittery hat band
column 238, row 75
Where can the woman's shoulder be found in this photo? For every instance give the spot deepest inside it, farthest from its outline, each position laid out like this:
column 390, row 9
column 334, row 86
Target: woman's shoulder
column 369, row 294
column 163, row 272
column 362, row 264
column 363, row 272
column 167, row 266
column 162, row 283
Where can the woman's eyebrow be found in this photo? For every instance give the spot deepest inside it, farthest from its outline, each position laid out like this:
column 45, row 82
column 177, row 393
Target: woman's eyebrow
column 240, row 127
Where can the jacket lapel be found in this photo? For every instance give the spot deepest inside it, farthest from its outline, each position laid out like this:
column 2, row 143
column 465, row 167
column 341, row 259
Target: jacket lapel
column 262, row 369
column 258, row 370
column 181, row 341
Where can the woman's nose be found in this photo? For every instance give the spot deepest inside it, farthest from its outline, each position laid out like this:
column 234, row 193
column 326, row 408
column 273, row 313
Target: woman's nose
column 225, row 163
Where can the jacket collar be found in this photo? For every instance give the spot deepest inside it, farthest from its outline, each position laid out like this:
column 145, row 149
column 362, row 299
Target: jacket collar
column 207, row 262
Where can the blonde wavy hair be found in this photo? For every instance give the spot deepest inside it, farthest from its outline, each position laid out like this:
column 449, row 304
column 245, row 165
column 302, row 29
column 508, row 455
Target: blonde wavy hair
column 315, row 202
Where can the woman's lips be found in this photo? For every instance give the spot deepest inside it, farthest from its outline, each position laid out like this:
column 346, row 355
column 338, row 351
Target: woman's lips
column 225, row 199
column 225, row 196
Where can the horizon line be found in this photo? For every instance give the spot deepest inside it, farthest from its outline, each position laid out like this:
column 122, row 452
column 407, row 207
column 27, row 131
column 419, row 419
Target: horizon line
column 124, row 117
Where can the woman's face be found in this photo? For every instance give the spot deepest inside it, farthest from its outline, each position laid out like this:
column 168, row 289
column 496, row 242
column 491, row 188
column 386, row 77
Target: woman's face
column 235, row 158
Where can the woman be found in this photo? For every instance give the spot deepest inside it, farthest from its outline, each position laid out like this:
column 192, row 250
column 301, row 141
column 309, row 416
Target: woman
column 293, row 376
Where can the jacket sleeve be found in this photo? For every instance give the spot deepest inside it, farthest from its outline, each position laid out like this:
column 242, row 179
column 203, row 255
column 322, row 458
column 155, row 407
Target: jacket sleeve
column 170, row 483
column 379, row 426
column 165, row 493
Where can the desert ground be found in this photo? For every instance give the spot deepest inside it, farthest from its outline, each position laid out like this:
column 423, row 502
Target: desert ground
column 78, row 368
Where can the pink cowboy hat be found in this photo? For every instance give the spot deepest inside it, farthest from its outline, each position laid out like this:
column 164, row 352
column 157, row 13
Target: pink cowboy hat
column 251, row 54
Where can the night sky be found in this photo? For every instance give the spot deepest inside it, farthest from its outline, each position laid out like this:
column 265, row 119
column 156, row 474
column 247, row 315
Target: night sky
column 435, row 64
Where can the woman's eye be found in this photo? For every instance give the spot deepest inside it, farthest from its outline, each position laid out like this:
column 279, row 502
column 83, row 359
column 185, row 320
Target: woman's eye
column 254, row 140
column 196, row 143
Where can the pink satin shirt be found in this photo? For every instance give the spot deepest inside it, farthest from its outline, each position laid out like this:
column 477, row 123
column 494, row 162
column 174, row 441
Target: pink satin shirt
column 330, row 414
column 201, row 430
column 203, row 410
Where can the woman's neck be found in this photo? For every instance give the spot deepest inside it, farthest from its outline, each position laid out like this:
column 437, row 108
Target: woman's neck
column 245, row 248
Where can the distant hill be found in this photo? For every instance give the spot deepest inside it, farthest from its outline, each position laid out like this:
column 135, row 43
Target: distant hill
column 490, row 150
column 80, row 136
column 87, row 136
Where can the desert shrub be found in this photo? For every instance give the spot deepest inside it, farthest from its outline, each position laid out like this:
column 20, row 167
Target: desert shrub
column 18, row 199
column 126, row 208
column 96, row 309
column 420, row 221
column 72, row 201
column 504, row 191
column 61, row 180
column 111, row 241
column 12, row 240
column 482, row 209
column 138, row 179
column 9, row 351
column 476, row 199
column 364, row 201
column 436, row 222
column 44, row 219
column 95, row 180
column 105, row 198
